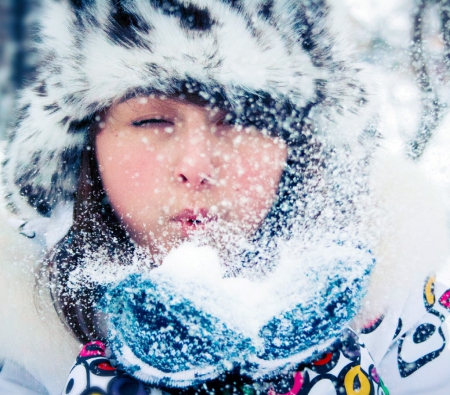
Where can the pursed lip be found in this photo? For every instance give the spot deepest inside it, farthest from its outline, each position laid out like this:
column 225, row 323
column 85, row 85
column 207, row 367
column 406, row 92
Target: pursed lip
column 190, row 219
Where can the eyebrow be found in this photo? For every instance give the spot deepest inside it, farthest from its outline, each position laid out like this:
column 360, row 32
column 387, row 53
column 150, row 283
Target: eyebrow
column 136, row 93
column 190, row 98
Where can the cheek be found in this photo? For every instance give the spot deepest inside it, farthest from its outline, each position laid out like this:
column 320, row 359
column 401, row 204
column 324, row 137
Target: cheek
column 256, row 175
column 130, row 174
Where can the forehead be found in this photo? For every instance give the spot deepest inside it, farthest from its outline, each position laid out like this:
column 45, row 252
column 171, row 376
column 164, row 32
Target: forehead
column 162, row 102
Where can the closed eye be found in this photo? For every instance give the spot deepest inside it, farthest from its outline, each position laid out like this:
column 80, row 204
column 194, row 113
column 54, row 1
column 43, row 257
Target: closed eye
column 151, row 121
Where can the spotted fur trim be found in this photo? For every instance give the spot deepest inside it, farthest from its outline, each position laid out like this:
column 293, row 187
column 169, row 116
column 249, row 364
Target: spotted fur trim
column 287, row 53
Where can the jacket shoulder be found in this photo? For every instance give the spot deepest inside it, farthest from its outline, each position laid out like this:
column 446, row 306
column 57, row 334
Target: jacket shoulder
column 418, row 359
column 31, row 334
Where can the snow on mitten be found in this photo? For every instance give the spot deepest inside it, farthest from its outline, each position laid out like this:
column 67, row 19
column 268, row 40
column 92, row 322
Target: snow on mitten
column 159, row 337
column 184, row 322
column 320, row 304
column 306, row 326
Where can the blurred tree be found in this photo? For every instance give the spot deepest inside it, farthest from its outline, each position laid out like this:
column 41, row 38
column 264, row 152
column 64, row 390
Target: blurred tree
column 16, row 60
column 421, row 62
column 408, row 42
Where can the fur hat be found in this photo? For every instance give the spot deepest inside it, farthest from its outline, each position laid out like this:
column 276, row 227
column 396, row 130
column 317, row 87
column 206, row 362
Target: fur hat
column 283, row 55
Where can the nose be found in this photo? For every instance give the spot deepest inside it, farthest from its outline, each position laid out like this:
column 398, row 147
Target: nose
column 194, row 167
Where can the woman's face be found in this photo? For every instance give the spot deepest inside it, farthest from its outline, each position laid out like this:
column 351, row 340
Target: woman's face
column 173, row 169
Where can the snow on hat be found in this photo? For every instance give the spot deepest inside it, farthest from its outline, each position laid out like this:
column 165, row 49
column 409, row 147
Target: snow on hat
column 282, row 54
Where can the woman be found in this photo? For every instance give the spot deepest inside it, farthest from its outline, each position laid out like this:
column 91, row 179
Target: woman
column 231, row 145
